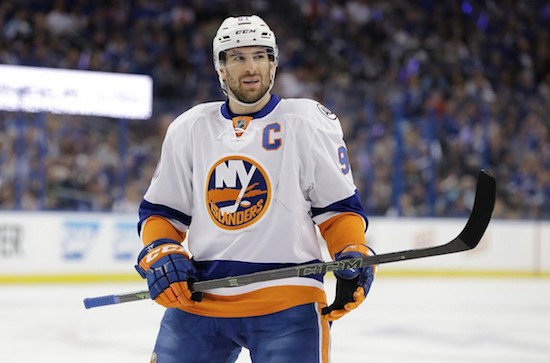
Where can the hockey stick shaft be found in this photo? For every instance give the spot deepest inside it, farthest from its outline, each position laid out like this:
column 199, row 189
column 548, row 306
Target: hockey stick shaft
column 466, row 240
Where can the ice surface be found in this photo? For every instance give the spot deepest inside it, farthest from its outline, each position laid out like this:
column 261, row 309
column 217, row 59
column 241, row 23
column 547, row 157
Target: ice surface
column 449, row 320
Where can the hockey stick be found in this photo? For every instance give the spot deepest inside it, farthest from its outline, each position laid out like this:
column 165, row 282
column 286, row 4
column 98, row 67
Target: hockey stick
column 466, row 240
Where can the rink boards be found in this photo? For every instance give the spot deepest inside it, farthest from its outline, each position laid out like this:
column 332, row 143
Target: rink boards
column 79, row 247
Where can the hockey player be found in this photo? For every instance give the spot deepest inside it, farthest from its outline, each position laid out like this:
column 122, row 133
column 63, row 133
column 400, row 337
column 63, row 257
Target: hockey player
column 246, row 181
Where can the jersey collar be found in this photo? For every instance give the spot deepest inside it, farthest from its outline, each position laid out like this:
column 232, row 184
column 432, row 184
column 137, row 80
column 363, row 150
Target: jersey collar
column 273, row 101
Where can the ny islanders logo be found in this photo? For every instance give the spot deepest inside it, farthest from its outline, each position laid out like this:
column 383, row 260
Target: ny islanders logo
column 238, row 192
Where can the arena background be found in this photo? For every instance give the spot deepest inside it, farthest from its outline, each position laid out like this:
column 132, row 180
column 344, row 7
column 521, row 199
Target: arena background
column 428, row 92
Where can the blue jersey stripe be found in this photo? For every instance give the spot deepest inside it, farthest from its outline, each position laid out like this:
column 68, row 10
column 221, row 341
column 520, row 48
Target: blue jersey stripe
column 351, row 204
column 147, row 210
column 209, row 270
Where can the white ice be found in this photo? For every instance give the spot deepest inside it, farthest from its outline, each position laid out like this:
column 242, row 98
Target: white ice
column 411, row 320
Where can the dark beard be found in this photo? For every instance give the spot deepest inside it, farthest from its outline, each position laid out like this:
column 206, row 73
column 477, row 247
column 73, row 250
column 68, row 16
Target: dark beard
column 249, row 98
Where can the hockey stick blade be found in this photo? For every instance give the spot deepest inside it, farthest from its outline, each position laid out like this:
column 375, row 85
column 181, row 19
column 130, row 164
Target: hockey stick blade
column 467, row 239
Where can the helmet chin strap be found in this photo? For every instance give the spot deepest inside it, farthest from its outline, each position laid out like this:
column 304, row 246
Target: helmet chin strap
column 232, row 96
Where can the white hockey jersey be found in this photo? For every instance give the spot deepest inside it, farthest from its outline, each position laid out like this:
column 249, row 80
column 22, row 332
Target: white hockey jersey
column 249, row 191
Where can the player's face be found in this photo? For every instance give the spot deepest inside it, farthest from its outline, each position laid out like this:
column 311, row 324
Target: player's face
column 247, row 72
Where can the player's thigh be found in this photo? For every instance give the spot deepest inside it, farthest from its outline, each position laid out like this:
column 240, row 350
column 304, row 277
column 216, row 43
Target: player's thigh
column 294, row 335
column 189, row 338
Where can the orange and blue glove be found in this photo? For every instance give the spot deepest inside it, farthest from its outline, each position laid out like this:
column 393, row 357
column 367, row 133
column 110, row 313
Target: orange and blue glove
column 352, row 286
column 168, row 270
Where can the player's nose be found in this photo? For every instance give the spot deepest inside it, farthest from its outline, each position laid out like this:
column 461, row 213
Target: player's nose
column 250, row 65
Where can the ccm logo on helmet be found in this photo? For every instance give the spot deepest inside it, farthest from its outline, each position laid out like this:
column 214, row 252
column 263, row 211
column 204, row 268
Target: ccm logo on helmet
column 245, row 31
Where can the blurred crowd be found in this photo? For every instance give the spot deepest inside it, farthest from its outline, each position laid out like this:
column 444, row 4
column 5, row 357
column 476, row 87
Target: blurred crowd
column 428, row 92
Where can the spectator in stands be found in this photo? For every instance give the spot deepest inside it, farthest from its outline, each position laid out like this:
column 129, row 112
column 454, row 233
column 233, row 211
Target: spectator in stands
column 434, row 91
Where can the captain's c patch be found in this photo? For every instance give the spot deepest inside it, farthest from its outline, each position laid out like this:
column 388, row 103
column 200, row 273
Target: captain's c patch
column 238, row 192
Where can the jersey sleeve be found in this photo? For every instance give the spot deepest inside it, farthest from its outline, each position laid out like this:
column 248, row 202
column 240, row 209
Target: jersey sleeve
column 169, row 195
column 157, row 227
column 343, row 230
column 331, row 189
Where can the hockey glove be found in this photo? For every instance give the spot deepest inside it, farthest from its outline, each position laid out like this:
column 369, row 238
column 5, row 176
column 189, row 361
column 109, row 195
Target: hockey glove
column 351, row 285
column 169, row 271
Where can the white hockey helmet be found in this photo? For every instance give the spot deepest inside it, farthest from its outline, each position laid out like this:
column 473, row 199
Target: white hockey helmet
column 243, row 31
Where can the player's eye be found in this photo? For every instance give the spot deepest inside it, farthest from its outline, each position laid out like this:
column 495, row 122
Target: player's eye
column 237, row 58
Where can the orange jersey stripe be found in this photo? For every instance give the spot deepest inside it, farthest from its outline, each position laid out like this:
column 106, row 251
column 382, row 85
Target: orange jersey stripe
column 258, row 302
column 157, row 227
column 324, row 329
column 343, row 230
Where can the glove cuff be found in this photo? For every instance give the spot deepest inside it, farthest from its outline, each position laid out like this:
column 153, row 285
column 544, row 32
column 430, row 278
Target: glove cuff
column 151, row 246
column 148, row 248
column 140, row 271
